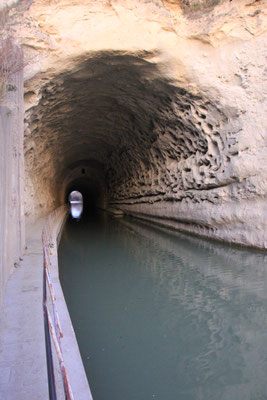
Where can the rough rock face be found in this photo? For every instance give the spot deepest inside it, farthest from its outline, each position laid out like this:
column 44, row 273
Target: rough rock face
column 159, row 113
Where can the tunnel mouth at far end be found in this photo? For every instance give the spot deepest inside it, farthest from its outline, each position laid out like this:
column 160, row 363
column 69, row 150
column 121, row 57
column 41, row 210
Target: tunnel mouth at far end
column 76, row 204
column 85, row 195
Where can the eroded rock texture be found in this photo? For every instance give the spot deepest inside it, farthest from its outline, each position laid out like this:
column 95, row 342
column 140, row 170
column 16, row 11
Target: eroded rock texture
column 156, row 113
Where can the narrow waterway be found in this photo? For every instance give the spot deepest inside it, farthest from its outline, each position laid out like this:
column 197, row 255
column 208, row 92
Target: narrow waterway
column 161, row 315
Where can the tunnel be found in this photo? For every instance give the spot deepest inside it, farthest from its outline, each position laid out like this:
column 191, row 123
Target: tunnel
column 155, row 112
column 156, row 117
column 126, row 135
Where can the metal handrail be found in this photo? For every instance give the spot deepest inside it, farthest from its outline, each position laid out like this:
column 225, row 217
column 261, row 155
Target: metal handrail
column 52, row 326
column 48, row 347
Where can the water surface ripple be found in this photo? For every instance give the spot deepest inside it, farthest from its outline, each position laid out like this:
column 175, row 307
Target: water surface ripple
column 161, row 315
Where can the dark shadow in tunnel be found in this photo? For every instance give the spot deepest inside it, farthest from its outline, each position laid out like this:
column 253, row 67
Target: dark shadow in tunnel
column 117, row 103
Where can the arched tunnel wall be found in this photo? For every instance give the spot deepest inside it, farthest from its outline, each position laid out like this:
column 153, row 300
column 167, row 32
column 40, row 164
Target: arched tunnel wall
column 165, row 120
column 147, row 146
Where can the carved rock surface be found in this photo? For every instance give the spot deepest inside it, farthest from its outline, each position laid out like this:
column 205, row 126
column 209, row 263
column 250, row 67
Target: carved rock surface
column 162, row 115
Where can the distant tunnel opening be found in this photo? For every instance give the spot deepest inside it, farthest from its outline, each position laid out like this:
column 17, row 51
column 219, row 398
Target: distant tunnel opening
column 76, row 204
column 90, row 193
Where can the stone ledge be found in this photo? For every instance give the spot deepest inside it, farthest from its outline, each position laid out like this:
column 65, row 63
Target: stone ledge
column 71, row 353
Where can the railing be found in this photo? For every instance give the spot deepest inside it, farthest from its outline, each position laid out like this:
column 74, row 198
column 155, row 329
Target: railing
column 52, row 325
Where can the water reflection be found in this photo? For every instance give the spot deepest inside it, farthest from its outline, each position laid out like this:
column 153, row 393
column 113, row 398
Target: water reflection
column 76, row 204
column 165, row 316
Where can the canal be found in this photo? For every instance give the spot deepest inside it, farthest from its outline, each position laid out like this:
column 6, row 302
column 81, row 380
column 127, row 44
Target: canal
column 162, row 315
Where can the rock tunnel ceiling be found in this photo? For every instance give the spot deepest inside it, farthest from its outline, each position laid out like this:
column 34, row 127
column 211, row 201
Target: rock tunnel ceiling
column 143, row 143
column 148, row 137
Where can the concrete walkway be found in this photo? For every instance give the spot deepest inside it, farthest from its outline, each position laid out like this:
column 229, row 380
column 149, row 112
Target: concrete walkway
column 22, row 351
column 23, row 373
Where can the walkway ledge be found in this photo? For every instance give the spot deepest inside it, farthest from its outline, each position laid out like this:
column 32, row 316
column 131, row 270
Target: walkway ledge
column 23, row 372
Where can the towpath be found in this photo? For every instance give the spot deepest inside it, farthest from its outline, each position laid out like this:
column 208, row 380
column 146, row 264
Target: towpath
column 22, row 352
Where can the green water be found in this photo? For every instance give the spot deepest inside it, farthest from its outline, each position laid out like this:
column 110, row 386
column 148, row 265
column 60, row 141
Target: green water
column 160, row 315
